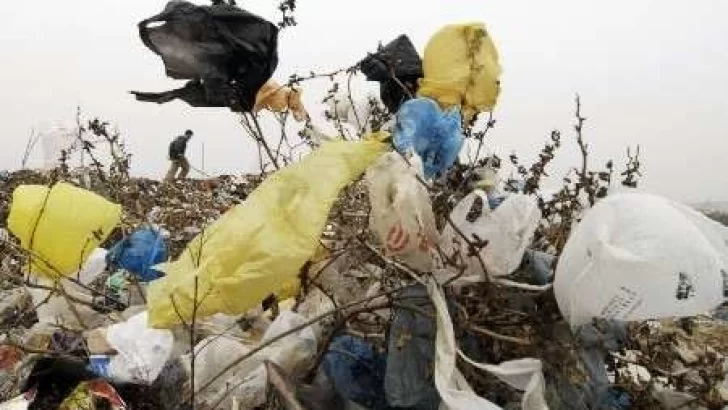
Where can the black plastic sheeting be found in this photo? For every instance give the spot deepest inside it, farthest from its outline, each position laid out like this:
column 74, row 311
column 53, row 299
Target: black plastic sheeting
column 226, row 52
column 397, row 67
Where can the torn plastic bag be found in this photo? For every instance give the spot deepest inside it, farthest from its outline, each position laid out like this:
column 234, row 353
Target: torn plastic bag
column 523, row 374
column 435, row 135
column 138, row 252
column 39, row 216
column 408, row 381
column 508, row 231
column 461, row 69
column 277, row 98
column 261, row 244
column 227, row 52
column 85, row 397
column 398, row 59
column 141, row 352
column 638, row 257
column 401, row 215
column 248, row 380
column 356, row 369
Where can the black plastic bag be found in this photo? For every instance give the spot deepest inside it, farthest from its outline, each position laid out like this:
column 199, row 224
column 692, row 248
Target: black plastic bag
column 397, row 67
column 226, row 52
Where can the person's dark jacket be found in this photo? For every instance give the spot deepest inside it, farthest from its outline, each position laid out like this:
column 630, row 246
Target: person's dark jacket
column 178, row 147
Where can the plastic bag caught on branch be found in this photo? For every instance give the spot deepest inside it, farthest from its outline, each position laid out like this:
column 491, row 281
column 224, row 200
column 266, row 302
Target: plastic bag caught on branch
column 277, row 98
column 60, row 225
column 397, row 67
column 461, row 69
column 501, row 235
column 258, row 247
column 401, row 215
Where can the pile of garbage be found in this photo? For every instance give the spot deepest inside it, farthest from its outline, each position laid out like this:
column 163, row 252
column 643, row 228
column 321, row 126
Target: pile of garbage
column 379, row 271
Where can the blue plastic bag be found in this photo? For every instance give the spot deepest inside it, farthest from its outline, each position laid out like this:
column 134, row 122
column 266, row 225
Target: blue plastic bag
column 435, row 135
column 138, row 252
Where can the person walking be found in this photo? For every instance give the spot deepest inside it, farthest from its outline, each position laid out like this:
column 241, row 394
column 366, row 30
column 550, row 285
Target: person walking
column 177, row 156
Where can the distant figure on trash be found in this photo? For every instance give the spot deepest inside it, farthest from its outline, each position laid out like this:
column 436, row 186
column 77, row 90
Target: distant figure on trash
column 177, row 156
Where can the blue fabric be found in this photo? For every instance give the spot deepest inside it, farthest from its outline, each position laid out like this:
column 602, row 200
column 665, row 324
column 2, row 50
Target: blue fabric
column 138, row 252
column 357, row 371
column 435, row 136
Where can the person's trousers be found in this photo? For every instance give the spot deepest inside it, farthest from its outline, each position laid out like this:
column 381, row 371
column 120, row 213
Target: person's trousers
column 181, row 165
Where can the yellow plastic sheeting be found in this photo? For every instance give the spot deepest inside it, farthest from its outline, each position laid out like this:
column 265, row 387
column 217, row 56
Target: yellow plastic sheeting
column 461, row 68
column 258, row 247
column 278, row 98
column 60, row 225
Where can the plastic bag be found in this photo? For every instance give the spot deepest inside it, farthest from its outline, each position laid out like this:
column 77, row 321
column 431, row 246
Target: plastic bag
column 227, row 52
column 508, row 229
column 138, row 252
column 277, row 98
column 398, row 59
column 258, row 247
column 141, row 352
column 248, row 380
column 461, row 69
column 638, row 257
column 54, row 142
column 61, row 225
column 86, row 395
column 435, row 135
column 456, row 394
column 401, row 215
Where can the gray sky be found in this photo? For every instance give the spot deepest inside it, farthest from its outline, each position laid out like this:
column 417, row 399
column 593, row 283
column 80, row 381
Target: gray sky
column 653, row 72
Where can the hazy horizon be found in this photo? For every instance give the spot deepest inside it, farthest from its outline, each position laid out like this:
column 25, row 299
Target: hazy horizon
column 653, row 73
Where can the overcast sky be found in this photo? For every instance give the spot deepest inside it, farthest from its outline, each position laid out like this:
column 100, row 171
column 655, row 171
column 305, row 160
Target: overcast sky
column 650, row 72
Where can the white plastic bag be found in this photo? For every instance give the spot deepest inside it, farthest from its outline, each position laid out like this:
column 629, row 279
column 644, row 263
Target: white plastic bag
column 509, row 230
column 142, row 352
column 639, row 256
column 401, row 215
column 248, row 380
column 524, row 374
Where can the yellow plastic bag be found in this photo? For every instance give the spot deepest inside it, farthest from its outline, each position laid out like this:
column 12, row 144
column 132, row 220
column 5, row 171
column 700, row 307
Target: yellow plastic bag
column 461, row 69
column 61, row 225
column 258, row 247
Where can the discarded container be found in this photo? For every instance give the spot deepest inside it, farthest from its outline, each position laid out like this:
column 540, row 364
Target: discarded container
column 435, row 135
column 227, row 52
column 401, row 215
column 141, row 352
column 502, row 234
column 261, row 244
column 248, row 380
column 139, row 252
column 39, row 216
column 357, row 371
column 461, row 69
column 638, row 257
column 277, row 98
column 85, row 397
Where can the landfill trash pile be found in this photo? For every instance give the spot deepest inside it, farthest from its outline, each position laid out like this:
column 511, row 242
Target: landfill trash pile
column 386, row 268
